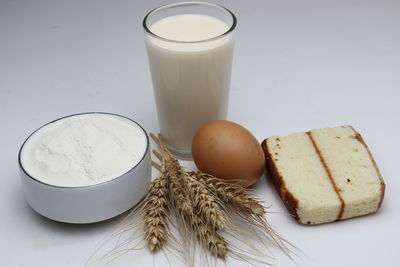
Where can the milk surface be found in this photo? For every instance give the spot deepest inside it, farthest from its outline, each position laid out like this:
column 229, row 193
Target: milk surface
column 191, row 76
column 189, row 28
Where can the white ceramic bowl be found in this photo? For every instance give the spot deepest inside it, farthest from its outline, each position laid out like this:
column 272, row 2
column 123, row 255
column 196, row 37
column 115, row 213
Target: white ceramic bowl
column 92, row 203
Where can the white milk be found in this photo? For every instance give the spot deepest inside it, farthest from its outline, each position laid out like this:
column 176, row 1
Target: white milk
column 191, row 80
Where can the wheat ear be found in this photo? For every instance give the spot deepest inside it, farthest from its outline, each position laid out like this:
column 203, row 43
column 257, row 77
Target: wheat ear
column 188, row 215
column 155, row 218
column 188, row 218
column 250, row 209
column 232, row 195
column 210, row 239
column 178, row 194
column 207, row 204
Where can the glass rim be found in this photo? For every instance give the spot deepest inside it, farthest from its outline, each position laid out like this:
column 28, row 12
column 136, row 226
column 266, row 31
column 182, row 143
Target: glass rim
column 190, row 3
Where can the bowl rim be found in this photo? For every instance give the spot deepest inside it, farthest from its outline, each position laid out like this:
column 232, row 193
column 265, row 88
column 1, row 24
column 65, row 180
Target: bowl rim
column 83, row 186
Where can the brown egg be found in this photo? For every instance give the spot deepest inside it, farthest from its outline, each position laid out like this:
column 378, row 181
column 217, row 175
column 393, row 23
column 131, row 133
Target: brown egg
column 228, row 151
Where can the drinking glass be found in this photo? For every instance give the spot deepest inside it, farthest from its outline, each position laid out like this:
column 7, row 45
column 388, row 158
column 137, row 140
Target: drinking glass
column 191, row 79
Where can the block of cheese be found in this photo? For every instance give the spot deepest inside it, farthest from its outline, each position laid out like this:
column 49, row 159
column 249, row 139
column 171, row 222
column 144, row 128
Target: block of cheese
column 324, row 175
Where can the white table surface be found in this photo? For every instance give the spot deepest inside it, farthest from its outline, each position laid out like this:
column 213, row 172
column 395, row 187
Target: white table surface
column 298, row 65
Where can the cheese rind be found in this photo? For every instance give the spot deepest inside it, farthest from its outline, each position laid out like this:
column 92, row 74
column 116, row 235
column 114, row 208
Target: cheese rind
column 329, row 174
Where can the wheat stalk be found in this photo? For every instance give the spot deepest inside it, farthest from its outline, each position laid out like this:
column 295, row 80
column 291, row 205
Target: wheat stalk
column 155, row 218
column 249, row 209
column 232, row 195
column 210, row 239
column 206, row 203
column 181, row 186
column 177, row 190
column 189, row 220
column 200, row 200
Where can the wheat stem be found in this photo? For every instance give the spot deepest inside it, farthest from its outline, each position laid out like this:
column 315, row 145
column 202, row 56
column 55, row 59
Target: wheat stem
column 157, row 154
column 156, row 165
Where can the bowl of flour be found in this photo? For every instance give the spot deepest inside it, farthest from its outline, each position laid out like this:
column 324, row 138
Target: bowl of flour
column 86, row 167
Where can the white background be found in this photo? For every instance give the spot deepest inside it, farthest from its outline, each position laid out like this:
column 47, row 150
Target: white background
column 298, row 65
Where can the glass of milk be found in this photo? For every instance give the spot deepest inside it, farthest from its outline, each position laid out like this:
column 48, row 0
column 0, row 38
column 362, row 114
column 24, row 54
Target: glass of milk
column 189, row 46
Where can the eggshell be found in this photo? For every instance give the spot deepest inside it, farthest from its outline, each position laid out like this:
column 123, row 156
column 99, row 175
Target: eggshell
column 228, row 151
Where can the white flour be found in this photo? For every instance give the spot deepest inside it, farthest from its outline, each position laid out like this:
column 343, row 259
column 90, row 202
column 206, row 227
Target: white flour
column 83, row 150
